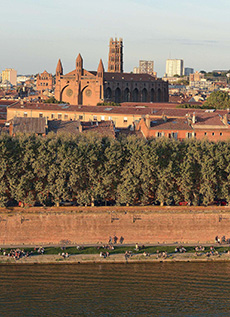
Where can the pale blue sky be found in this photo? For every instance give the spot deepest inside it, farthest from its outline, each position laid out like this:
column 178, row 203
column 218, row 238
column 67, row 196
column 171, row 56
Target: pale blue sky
column 36, row 33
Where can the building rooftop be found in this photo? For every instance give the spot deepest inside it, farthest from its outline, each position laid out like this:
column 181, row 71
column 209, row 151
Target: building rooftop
column 171, row 124
column 128, row 77
column 28, row 125
column 155, row 110
column 104, row 128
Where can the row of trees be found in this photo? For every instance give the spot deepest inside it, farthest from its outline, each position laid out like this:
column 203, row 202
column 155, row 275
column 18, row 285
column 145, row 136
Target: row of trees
column 89, row 169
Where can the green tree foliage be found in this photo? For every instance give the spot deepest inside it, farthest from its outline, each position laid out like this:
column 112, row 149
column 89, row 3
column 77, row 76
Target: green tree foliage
column 109, row 104
column 53, row 100
column 218, row 100
column 89, row 170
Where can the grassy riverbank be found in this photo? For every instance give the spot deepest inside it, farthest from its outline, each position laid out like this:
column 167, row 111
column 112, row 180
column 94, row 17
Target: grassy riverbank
column 117, row 255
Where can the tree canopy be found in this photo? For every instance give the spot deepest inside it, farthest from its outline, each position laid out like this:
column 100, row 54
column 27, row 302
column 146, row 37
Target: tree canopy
column 218, row 100
column 95, row 170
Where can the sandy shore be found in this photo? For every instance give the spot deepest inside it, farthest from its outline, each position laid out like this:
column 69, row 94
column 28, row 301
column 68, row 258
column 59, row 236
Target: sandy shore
column 114, row 258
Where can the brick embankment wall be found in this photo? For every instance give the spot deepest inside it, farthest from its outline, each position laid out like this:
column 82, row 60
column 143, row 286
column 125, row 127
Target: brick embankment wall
column 95, row 225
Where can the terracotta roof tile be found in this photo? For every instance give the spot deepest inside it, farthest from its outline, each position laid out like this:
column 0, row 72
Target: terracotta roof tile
column 29, row 125
column 171, row 124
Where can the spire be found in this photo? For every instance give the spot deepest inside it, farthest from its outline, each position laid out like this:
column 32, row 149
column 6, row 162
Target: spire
column 100, row 70
column 79, row 58
column 59, row 69
column 79, row 65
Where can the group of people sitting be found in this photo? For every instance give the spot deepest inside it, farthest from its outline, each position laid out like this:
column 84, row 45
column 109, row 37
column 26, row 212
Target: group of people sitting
column 162, row 254
column 104, row 254
column 199, row 248
column 180, row 249
column 17, row 253
column 20, row 253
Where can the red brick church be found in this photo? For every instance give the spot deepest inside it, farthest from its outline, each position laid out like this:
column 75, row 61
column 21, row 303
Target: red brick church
column 83, row 87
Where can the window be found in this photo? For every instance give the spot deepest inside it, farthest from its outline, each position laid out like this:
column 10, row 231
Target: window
column 102, row 118
column 174, row 135
column 95, row 118
column 66, row 117
column 80, row 117
column 110, row 118
column 52, row 115
column 213, row 133
column 59, row 116
column 40, row 115
column 189, row 135
column 25, row 115
column 205, row 133
column 221, row 133
column 125, row 119
column 159, row 134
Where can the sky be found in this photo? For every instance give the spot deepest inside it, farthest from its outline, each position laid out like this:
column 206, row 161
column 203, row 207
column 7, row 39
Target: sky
column 34, row 34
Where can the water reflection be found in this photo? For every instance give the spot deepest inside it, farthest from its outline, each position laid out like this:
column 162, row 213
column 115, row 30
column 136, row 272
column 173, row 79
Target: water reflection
column 166, row 289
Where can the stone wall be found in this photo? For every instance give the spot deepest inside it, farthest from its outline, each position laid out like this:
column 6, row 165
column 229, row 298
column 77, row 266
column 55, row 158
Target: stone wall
column 92, row 226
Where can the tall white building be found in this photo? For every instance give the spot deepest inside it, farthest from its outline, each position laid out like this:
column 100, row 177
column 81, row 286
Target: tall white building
column 174, row 67
column 10, row 75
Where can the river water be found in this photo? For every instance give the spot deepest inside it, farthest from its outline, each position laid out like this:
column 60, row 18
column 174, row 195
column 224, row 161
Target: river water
column 159, row 289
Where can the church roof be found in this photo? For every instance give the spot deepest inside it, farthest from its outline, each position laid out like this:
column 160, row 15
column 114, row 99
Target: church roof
column 128, row 77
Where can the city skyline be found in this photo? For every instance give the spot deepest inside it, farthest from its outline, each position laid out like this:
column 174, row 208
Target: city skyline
column 36, row 34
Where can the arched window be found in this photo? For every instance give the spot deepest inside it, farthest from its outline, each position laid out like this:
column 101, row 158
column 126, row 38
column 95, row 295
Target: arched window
column 127, row 95
column 165, row 95
column 152, row 95
column 159, row 95
column 118, row 95
column 144, row 95
column 135, row 95
column 108, row 93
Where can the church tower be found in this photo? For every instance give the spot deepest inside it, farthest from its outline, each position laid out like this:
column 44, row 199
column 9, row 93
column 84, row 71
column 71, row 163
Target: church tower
column 115, row 64
column 79, row 66
column 59, row 69
column 100, row 70
column 59, row 73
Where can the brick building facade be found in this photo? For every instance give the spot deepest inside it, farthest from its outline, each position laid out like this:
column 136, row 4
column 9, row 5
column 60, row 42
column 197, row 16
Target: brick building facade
column 44, row 81
column 82, row 87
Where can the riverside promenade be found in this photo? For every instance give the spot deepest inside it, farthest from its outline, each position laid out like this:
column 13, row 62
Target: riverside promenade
column 115, row 258
column 115, row 254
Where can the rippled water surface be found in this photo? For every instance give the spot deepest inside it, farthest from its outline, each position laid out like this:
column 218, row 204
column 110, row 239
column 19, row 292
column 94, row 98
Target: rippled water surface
column 162, row 289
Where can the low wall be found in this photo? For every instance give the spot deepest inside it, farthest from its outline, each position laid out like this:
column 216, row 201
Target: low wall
column 92, row 225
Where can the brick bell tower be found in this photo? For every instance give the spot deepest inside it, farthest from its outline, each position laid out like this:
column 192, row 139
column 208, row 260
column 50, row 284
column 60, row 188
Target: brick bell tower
column 115, row 64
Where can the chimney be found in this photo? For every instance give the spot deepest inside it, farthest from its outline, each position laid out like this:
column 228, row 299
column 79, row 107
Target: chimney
column 164, row 117
column 225, row 119
column 46, row 124
column 193, row 118
column 147, row 121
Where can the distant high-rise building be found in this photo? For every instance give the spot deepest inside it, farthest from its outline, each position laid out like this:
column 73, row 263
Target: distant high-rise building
column 136, row 70
column 188, row 71
column 10, row 75
column 146, row 67
column 115, row 64
column 196, row 77
column 174, row 67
